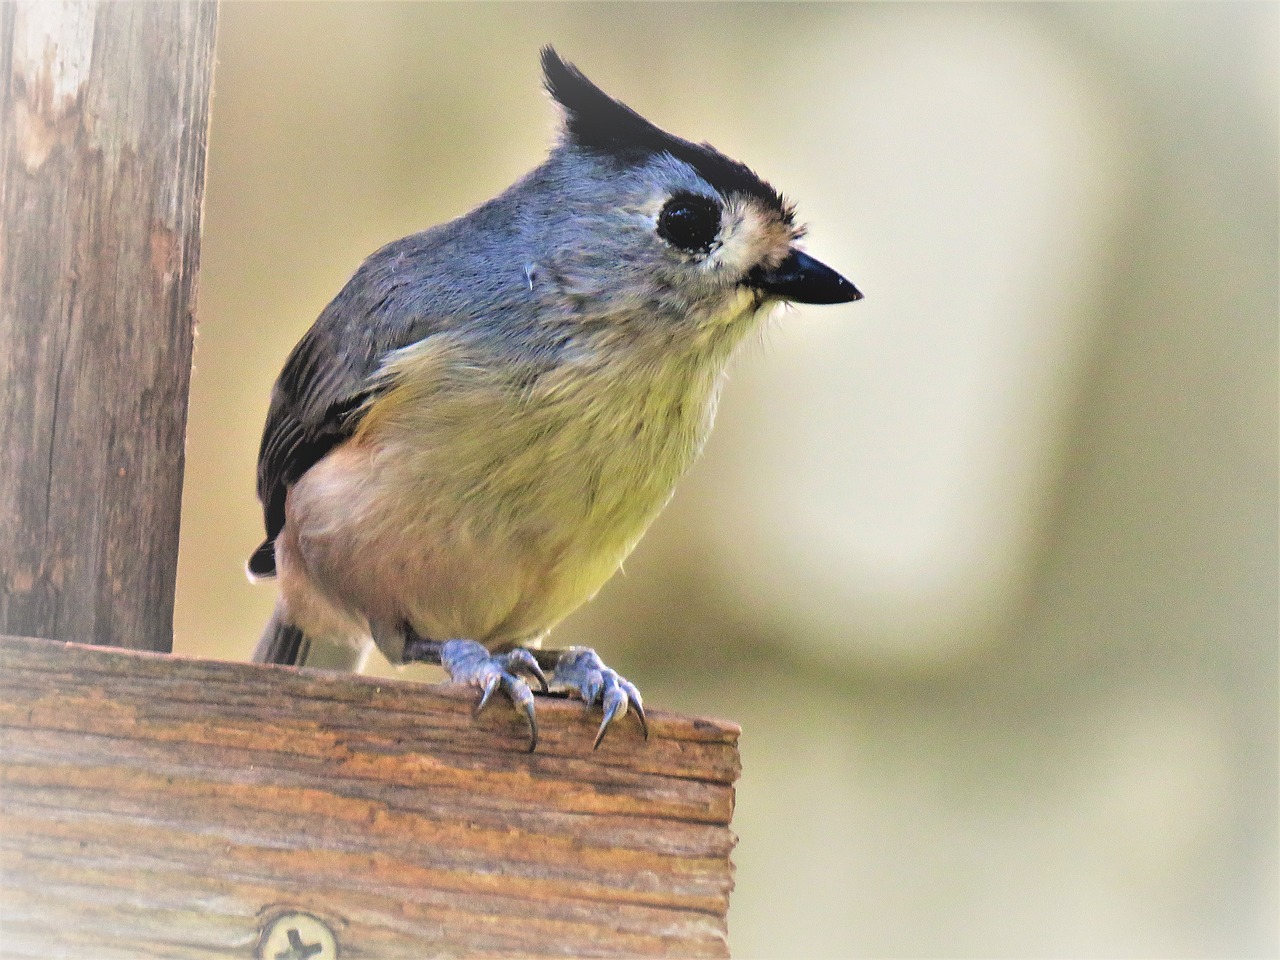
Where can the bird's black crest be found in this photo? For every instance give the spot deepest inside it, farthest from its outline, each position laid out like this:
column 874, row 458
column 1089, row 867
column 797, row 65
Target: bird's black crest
column 596, row 121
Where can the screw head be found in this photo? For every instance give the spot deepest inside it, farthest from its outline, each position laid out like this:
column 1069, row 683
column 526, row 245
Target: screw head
column 297, row 936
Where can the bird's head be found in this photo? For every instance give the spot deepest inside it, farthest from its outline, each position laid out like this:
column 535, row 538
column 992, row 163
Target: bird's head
column 653, row 219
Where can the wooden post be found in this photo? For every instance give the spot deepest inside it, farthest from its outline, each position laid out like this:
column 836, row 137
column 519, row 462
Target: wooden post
column 103, row 121
column 162, row 807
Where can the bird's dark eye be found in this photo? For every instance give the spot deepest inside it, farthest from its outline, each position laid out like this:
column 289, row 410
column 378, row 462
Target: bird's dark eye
column 690, row 222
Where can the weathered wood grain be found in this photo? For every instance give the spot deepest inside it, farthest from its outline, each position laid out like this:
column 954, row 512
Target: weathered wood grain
column 155, row 806
column 103, row 123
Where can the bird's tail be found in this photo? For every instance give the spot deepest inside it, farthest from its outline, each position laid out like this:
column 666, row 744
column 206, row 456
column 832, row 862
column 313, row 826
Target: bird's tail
column 284, row 642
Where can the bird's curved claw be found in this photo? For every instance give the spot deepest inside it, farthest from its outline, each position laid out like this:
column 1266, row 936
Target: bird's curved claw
column 581, row 672
column 469, row 662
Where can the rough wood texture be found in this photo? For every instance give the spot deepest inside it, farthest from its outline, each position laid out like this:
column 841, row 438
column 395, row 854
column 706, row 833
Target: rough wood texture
column 103, row 122
column 153, row 806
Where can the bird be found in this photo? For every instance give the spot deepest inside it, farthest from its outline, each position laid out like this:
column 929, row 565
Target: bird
column 481, row 425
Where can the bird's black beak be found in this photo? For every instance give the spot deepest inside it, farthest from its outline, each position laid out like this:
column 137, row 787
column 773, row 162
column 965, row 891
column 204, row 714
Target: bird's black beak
column 802, row 279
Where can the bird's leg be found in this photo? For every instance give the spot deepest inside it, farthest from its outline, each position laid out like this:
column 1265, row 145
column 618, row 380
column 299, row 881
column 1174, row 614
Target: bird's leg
column 581, row 672
column 577, row 671
column 469, row 662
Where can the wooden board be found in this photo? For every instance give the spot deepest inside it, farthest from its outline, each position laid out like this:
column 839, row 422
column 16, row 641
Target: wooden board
column 155, row 806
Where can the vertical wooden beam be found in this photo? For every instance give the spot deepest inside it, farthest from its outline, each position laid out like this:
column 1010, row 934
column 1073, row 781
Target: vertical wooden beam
column 104, row 113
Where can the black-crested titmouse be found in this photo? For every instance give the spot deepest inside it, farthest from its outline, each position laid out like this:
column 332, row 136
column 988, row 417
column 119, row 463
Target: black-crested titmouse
column 485, row 420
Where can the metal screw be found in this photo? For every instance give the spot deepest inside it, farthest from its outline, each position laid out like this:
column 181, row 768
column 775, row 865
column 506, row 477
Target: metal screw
column 297, row 936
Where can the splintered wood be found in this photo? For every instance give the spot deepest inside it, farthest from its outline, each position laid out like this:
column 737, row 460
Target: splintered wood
column 155, row 806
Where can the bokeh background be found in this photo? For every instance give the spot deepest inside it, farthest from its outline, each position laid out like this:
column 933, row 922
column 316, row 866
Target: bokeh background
column 986, row 564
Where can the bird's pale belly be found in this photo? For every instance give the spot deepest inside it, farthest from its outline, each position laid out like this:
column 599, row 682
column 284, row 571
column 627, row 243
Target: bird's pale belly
column 494, row 541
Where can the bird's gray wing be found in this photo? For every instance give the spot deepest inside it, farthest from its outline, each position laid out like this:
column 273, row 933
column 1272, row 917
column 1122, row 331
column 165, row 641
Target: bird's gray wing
column 319, row 398
column 315, row 406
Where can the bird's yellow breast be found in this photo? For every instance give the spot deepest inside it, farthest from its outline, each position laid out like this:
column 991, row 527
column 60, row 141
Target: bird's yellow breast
column 507, row 496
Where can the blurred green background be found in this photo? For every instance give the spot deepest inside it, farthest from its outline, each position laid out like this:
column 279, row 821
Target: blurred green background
column 985, row 565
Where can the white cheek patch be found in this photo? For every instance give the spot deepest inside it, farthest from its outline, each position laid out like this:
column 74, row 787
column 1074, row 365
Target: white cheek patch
column 748, row 236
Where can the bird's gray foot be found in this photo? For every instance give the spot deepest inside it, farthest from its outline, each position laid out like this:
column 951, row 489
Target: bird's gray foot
column 580, row 671
column 469, row 662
